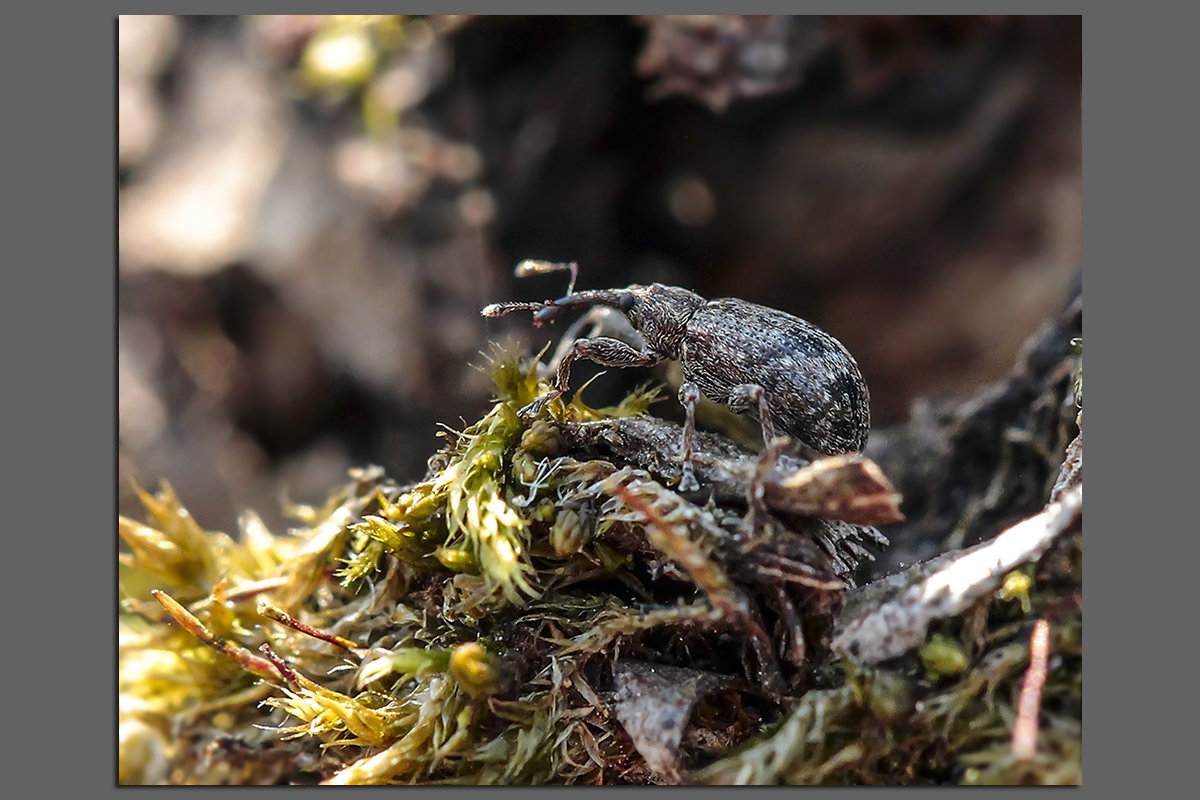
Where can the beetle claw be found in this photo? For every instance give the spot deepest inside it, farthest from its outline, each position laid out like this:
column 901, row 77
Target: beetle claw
column 533, row 409
column 688, row 482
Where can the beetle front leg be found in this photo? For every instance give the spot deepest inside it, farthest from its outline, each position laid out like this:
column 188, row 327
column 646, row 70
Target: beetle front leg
column 689, row 395
column 604, row 351
column 600, row 322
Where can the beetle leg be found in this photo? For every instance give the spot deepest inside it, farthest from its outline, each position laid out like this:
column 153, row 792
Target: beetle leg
column 689, row 395
column 757, row 491
column 749, row 395
column 793, row 648
column 604, row 351
column 599, row 321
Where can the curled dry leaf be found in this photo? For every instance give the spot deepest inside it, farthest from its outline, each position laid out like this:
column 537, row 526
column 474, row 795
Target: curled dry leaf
column 848, row 487
column 654, row 703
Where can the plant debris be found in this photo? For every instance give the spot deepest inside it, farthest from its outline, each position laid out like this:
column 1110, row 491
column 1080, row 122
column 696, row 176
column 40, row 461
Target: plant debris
column 543, row 607
column 720, row 58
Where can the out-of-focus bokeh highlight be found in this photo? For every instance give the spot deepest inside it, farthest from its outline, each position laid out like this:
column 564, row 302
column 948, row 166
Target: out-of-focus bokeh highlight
column 312, row 211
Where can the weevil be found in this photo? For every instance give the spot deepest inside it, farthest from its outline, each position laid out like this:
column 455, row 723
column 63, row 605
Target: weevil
column 785, row 372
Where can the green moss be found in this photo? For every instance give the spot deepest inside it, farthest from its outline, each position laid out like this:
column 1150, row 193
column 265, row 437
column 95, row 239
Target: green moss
column 942, row 655
column 462, row 630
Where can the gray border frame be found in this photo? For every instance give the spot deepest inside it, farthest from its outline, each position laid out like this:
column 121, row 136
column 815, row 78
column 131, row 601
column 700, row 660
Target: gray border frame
column 1138, row 68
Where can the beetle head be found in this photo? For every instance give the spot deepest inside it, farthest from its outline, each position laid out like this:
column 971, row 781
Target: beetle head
column 659, row 313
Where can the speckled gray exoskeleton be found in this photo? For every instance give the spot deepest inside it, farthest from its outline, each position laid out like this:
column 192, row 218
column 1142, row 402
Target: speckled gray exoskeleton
column 787, row 373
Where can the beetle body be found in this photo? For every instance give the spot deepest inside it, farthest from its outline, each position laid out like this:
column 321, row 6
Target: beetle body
column 785, row 372
column 811, row 383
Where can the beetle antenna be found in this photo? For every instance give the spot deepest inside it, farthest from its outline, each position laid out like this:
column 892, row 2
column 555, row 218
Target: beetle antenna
column 532, row 266
column 500, row 309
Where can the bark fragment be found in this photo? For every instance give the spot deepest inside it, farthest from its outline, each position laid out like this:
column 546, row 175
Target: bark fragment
column 890, row 616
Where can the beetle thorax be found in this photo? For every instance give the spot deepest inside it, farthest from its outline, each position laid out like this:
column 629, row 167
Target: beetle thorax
column 661, row 313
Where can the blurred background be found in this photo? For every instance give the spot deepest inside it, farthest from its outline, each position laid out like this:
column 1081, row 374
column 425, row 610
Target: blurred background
column 312, row 210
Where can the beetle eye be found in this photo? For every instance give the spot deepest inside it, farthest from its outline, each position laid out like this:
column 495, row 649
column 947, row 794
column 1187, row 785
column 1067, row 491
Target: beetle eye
column 626, row 302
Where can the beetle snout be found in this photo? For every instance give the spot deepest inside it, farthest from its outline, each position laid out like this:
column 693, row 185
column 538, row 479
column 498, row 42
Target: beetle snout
column 547, row 313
